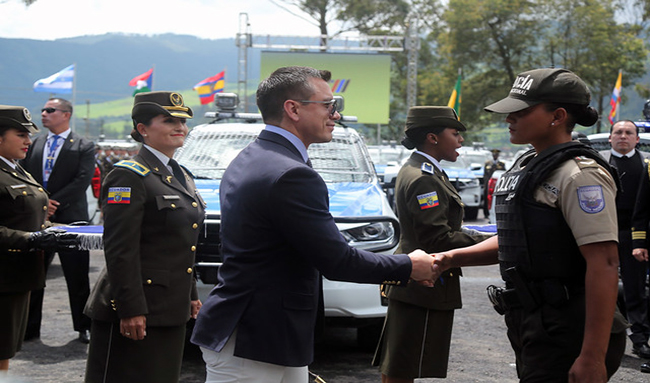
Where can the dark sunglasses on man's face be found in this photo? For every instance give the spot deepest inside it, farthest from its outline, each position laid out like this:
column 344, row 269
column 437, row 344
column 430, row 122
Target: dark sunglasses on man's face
column 51, row 110
column 331, row 105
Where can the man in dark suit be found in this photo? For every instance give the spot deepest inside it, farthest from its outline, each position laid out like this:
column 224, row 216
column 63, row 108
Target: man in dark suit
column 629, row 163
column 278, row 237
column 63, row 163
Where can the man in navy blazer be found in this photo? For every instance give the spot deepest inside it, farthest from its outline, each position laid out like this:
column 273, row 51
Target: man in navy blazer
column 278, row 237
column 66, row 177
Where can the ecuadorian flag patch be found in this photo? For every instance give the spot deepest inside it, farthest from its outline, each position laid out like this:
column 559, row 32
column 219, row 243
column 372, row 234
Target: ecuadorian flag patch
column 119, row 195
column 428, row 200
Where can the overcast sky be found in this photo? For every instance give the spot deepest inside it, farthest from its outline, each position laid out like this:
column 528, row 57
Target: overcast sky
column 211, row 19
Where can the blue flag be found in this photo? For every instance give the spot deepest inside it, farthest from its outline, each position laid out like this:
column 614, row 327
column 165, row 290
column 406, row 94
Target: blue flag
column 60, row 82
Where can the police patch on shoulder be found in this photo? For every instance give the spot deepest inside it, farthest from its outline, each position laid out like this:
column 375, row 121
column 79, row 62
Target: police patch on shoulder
column 120, row 195
column 591, row 198
column 429, row 200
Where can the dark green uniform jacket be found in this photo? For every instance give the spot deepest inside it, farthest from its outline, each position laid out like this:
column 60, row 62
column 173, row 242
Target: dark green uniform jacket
column 430, row 213
column 151, row 227
column 23, row 208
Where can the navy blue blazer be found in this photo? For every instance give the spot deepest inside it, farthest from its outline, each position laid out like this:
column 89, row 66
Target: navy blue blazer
column 277, row 234
column 71, row 175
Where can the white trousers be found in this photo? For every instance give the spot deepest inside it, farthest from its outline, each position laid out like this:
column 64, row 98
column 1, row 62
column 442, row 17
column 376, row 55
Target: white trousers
column 225, row 367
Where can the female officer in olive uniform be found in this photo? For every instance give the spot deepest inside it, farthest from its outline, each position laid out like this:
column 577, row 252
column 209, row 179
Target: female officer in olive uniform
column 23, row 210
column 152, row 213
column 417, row 331
column 557, row 235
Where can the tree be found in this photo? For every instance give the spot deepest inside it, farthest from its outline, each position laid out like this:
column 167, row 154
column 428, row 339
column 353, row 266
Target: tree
column 588, row 41
column 365, row 16
column 491, row 40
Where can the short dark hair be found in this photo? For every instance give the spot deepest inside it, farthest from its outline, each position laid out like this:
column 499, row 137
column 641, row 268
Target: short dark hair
column 286, row 83
column 67, row 105
column 611, row 128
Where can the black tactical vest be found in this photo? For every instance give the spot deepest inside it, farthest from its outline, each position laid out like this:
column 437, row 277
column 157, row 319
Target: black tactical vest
column 534, row 236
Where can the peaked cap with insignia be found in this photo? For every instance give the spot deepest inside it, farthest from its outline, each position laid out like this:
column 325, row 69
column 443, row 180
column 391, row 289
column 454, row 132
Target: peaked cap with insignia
column 168, row 103
column 17, row 117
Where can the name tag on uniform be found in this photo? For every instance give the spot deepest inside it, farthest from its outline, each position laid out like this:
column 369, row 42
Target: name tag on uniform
column 171, row 197
column 121, row 195
column 429, row 200
column 21, row 186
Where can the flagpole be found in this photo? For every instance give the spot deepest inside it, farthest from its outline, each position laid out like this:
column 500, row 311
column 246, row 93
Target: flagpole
column 460, row 78
column 74, row 91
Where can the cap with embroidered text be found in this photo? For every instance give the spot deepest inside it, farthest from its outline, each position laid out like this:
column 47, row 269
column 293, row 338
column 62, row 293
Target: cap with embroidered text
column 543, row 85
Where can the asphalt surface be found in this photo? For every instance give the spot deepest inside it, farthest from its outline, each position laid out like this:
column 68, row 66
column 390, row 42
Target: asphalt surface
column 480, row 351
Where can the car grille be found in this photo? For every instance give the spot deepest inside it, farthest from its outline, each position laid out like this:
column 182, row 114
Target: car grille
column 208, row 251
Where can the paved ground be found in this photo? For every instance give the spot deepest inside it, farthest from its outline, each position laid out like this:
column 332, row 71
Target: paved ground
column 480, row 351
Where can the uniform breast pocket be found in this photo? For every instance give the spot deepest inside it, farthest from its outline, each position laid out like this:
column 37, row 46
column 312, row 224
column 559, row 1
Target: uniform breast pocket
column 21, row 195
column 173, row 208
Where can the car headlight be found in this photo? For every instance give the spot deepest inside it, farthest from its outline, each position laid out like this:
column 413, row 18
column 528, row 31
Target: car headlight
column 378, row 231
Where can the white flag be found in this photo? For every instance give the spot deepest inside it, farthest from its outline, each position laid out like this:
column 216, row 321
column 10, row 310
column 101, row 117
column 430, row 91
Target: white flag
column 60, row 82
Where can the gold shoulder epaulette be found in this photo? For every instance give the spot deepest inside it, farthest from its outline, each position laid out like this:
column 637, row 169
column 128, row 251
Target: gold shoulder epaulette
column 134, row 166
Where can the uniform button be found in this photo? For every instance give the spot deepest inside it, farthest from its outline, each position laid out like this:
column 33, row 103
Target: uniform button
column 189, row 270
column 43, row 226
column 24, row 193
column 45, row 208
column 173, row 206
column 193, row 248
column 195, row 226
column 194, row 204
column 149, row 281
column 451, row 274
column 40, row 189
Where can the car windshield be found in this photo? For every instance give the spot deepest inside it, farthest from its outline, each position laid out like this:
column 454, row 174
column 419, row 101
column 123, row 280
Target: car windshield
column 476, row 158
column 385, row 156
column 208, row 152
column 459, row 164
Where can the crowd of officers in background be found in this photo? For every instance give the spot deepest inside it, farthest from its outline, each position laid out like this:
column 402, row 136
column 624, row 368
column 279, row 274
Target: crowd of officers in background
column 108, row 154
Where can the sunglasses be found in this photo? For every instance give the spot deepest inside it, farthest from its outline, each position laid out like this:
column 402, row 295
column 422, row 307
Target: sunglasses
column 52, row 110
column 331, row 105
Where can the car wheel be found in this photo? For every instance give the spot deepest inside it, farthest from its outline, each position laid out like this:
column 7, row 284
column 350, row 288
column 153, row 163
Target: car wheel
column 471, row 213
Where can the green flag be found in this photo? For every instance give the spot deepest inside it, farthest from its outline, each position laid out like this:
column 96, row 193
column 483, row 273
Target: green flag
column 455, row 99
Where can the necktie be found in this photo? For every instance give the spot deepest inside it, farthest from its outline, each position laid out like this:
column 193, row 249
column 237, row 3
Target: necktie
column 178, row 173
column 309, row 162
column 49, row 161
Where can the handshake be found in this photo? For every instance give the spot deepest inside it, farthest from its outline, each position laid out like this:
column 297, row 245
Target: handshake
column 427, row 268
column 53, row 239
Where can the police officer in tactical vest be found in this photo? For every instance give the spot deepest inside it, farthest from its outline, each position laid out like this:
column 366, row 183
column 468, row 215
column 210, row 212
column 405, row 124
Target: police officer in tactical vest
column 557, row 235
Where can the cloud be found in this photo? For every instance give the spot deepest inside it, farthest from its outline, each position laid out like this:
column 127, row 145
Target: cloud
column 211, row 19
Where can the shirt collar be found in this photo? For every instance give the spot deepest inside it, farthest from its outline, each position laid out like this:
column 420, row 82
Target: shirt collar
column 433, row 160
column 295, row 141
column 63, row 134
column 9, row 162
column 163, row 158
column 628, row 154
